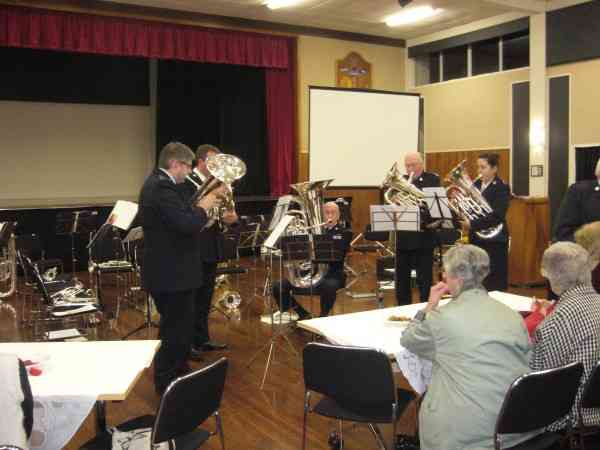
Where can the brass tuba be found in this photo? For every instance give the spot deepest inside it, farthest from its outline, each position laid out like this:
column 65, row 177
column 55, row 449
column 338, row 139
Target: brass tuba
column 226, row 297
column 308, row 220
column 8, row 260
column 399, row 191
column 466, row 200
column 224, row 170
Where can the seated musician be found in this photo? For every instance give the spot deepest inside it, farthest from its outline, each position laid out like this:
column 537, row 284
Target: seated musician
column 478, row 346
column 326, row 288
column 571, row 332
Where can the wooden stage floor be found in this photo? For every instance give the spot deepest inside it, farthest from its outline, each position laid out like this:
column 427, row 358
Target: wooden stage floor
column 268, row 419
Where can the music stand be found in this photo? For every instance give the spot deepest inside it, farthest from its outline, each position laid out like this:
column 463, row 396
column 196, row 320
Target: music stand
column 298, row 247
column 74, row 223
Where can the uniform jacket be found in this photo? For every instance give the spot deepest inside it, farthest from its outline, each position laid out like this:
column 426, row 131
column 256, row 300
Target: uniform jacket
column 170, row 262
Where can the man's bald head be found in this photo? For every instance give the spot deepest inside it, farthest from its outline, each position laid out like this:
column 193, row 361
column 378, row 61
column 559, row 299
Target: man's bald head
column 331, row 211
column 413, row 162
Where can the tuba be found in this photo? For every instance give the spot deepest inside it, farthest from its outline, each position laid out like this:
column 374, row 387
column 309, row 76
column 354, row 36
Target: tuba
column 308, row 220
column 8, row 260
column 399, row 191
column 226, row 297
column 224, row 170
column 466, row 200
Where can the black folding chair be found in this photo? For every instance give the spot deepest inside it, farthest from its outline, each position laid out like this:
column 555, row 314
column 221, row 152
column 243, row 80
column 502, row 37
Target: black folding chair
column 186, row 403
column 536, row 400
column 357, row 384
column 590, row 398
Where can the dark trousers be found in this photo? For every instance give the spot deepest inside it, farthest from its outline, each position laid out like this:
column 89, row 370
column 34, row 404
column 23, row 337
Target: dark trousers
column 326, row 290
column 203, row 301
column 422, row 261
column 175, row 332
column 497, row 280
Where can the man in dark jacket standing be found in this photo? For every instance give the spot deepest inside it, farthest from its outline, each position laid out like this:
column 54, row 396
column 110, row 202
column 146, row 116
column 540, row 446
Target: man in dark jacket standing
column 171, row 263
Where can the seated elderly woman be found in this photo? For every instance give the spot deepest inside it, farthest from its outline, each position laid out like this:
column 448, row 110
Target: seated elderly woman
column 572, row 332
column 588, row 236
column 478, row 346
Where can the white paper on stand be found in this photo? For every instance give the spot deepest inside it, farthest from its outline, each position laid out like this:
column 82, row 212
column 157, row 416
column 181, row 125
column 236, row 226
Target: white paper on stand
column 123, row 214
column 277, row 232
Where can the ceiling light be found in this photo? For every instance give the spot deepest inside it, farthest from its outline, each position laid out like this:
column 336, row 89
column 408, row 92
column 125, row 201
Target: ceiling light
column 274, row 4
column 411, row 15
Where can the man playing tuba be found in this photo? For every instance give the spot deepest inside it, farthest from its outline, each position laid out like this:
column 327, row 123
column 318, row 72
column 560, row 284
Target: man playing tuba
column 326, row 287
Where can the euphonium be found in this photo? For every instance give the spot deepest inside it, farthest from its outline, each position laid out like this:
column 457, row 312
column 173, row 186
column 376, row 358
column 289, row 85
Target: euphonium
column 8, row 264
column 224, row 170
column 466, row 200
column 226, row 297
column 308, row 220
column 399, row 191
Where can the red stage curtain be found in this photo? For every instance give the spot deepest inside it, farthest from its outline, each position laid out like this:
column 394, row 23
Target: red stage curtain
column 85, row 33
column 281, row 124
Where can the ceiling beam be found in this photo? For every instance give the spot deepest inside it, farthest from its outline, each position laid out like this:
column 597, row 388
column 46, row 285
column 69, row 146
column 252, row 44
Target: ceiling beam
column 528, row 6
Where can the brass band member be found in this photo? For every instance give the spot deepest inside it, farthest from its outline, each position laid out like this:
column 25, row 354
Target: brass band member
column 581, row 205
column 208, row 244
column 334, row 279
column 420, row 259
column 497, row 194
column 170, row 269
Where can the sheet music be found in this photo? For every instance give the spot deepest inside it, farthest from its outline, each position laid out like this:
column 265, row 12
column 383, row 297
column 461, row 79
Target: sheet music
column 434, row 206
column 281, row 208
column 277, row 232
column 407, row 218
column 123, row 214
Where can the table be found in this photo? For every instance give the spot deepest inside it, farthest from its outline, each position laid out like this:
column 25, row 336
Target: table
column 75, row 375
column 372, row 329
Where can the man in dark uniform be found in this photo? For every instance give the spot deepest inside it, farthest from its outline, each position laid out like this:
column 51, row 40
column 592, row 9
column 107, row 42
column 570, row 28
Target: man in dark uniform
column 580, row 205
column 170, row 269
column 420, row 254
column 209, row 243
column 334, row 278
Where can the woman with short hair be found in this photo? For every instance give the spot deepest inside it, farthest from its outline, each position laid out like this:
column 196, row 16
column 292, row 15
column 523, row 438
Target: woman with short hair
column 478, row 347
column 572, row 332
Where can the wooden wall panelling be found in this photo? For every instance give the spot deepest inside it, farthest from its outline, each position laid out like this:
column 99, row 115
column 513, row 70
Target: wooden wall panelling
column 362, row 199
column 302, row 168
column 443, row 162
column 528, row 221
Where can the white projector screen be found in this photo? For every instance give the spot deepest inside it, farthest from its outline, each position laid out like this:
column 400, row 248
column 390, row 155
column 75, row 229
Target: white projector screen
column 355, row 136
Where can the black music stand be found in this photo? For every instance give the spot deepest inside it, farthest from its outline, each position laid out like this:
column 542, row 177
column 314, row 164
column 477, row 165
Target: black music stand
column 74, row 223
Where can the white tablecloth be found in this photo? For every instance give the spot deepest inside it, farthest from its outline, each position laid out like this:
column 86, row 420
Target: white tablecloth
column 74, row 376
column 372, row 329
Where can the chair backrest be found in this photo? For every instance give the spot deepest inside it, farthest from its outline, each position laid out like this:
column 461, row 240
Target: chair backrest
column 590, row 397
column 538, row 399
column 358, row 379
column 189, row 401
column 30, row 245
column 32, row 270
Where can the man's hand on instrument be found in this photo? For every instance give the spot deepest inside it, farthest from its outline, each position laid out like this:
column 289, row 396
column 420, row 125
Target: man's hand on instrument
column 209, row 201
column 435, row 295
column 229, row 217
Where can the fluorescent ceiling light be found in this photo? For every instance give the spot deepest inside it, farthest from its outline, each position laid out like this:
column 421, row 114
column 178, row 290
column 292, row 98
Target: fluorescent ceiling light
column 274, row 4
column 411, row 15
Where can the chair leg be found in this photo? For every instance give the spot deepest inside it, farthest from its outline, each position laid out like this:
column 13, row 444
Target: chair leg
column 304, row 420
column 378, row 436
column 341, row 425
column 220, row 429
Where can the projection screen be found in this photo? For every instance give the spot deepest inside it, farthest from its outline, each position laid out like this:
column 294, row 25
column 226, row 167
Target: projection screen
column 356, row 135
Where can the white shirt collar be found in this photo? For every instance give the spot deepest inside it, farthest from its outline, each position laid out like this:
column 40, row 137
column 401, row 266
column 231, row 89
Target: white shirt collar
column 169, row 175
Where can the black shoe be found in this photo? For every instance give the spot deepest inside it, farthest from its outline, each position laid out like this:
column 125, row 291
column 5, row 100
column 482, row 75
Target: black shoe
column 303, row 314
column 210, row 346
column 195, row 354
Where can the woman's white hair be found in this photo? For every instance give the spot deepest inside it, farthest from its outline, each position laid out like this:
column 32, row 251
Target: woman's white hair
column 469, row 263
column 566, row 265
column 588, row 236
